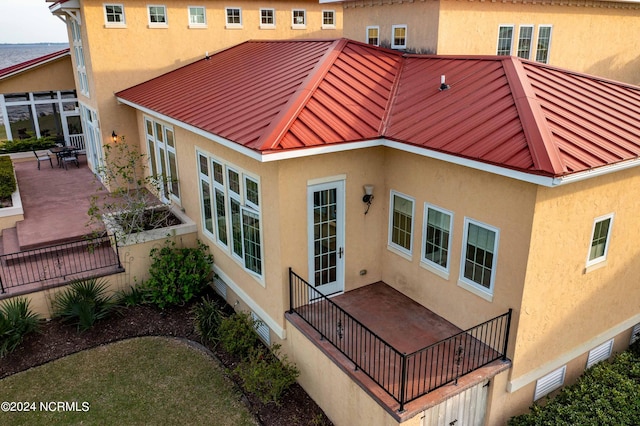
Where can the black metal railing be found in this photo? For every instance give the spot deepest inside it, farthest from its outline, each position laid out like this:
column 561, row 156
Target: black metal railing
column 60, row 263
column 405, row 377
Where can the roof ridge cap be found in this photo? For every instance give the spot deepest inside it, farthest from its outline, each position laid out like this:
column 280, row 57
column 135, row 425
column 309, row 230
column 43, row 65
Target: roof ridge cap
column 386, row 117
column 283, row 121
column 543, row 150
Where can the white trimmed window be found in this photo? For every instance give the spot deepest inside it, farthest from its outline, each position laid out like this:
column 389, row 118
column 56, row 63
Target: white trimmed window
column 157, row 16
column 373, row 35
column 162, row 159
column 525, row 41
column 401, row 213
column 267, row 18
column 600, row 353
column 114, row 15
column 544, row 44
column 398, row 36
column 600, row 239
column 298, row 19
column 230, row 210
column 550, row 382
column 197, row 17
column 328, row 19
column 505, row 40
column 234, row 17
column 78, row 54
column 480, row 255
column 436, row 237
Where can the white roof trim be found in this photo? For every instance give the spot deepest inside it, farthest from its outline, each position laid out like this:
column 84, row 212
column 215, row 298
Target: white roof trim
column 401, row 146
column 36, row 64
column 222, row 141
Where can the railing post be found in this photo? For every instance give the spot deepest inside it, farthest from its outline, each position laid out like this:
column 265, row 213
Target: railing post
column 1, row 286
column 290, row 291
column 506, row 337
column 115, row 240
column 403, row 382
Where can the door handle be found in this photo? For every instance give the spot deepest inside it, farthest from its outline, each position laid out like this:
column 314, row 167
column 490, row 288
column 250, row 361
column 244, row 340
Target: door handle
column 340, row 252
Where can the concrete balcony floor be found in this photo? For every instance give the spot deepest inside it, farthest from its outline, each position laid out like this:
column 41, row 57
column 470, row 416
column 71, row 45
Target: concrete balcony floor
column 407, row 326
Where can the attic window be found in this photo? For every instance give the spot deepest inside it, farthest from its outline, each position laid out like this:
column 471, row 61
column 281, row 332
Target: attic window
column 234, row 17
column 399, row 37
column 299, row 19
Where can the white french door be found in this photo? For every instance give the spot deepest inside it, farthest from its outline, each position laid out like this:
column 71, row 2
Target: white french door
column 325, row 218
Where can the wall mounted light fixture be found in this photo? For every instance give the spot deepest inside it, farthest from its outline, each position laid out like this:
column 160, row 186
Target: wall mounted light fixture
column 368, row 197
column 114, row 136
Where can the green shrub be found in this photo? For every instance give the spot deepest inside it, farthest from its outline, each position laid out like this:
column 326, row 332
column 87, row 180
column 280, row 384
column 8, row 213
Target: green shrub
column 134, row 296
column 16, row 321
column 606, row 394
column 25, row 145
column 266, row 374
column 84, row 303
column 208, row 317
column 178, row 274
column 238, row 335
column 7, row 177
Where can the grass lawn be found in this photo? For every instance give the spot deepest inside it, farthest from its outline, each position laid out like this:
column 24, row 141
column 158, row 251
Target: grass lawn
column 149, row 380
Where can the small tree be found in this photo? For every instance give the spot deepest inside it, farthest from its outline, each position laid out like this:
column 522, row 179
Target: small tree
column 132, row 203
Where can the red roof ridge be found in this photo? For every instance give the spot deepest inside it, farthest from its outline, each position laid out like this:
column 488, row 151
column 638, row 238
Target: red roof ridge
column 544, row 151
column 283, row 121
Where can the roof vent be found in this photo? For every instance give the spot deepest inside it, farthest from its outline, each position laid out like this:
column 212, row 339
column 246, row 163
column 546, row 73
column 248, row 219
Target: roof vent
column 443, row 85
column 206, row 55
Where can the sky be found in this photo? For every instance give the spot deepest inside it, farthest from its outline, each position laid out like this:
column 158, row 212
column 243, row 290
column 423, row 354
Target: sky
column 29, row 21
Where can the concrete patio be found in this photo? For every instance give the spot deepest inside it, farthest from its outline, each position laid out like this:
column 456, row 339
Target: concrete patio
column 55, row 203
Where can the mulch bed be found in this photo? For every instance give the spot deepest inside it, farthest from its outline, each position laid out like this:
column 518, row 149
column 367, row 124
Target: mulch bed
column 58, row 339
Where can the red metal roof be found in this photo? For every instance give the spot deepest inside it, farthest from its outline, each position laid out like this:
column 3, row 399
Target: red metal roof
column 274, row 96
column 14, row 69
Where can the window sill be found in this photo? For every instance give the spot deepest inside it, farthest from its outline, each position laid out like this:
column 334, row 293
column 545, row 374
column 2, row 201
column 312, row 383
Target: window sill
column 328, row 27
column 399, row 252
column 439, row 272
column 595, row 266
column 233, row 26
column 155, row 26
column 299, row 27
column 399, row 47
column 475, row 290
column 197, row 26
column 115, row 25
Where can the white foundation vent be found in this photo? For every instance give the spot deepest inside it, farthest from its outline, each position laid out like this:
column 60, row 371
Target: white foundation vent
column 550, row 382
column 600, row 353
column 220, row 286
column 261, row 328
column 635, row 334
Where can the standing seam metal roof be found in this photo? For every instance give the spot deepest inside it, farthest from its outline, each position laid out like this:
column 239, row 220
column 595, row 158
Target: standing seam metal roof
column 273, row 96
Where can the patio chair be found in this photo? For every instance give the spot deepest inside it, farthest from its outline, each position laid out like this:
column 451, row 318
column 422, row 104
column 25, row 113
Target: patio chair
column 42, row 157
column 69, row 157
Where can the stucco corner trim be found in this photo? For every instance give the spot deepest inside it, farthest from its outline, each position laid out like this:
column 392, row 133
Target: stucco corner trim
column 252, row 304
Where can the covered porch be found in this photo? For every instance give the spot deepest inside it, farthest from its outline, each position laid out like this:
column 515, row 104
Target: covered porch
column 404, row 356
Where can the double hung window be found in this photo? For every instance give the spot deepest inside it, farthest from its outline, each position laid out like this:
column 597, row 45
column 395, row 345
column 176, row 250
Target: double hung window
column 299, row 19
column 479, row 256
column 399, row 37
column 437, row 237
column 505, row 40
column 401, row 222
column 114, row 15
column 600, row 240
column 197, row 17
column 373, row 35
column 234, row 17
column 157, row 16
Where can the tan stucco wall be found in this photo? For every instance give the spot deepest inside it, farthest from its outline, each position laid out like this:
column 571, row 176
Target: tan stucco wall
column 55, row 75
column 344, row 402
column 421, row 19
column 117, row 58
column 562, row 305
column 590, row 37
column 504, row 203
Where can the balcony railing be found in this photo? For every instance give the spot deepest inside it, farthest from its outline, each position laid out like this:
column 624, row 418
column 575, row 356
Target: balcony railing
column 60, row 263
column 404, row 376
